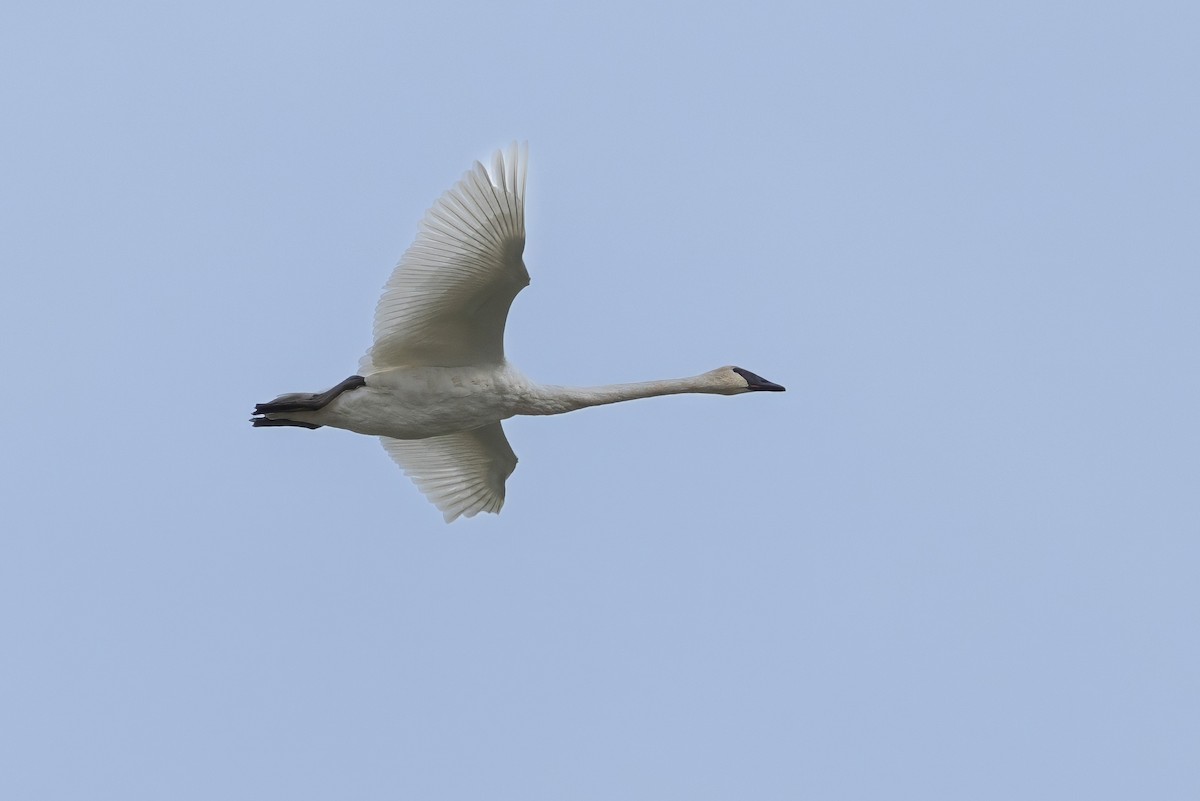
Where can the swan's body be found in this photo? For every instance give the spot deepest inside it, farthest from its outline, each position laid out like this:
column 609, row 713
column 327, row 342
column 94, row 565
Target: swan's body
column 435, row 385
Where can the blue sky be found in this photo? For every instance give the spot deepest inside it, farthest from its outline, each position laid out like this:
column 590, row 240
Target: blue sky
column 957, row 559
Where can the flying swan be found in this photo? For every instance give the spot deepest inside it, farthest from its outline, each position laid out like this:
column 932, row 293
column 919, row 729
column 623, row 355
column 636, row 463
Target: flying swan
column 435, row 385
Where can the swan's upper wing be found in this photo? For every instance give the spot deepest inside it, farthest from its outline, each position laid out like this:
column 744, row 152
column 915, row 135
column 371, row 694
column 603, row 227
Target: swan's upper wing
column 448, row 298
column 462, row 473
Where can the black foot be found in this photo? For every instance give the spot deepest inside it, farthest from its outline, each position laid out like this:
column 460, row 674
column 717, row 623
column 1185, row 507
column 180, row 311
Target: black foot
column 302, row 403
column 265, row 421
column 309, row 403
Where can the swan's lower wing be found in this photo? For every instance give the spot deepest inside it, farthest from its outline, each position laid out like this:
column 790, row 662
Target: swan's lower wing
column 462, row 473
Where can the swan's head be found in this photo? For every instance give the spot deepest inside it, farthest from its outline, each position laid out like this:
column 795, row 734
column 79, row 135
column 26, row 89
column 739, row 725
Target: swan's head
column 736, row 380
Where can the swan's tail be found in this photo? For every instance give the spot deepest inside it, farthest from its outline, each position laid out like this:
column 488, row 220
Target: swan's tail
column 265, row 413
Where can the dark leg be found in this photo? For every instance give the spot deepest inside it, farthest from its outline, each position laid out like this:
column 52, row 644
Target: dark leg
column 309, row 403
column 264, row 421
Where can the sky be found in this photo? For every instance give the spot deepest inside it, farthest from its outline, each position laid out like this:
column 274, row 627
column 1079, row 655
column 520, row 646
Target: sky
column 957, row 559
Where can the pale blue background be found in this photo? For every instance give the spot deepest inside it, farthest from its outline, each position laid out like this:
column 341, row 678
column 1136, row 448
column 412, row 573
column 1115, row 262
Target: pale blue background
column 957, row 560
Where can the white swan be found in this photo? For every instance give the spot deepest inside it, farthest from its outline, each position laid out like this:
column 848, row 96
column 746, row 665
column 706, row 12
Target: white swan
column 435, row 385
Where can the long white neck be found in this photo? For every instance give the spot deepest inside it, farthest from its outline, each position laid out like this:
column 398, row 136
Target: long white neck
column 552, row 399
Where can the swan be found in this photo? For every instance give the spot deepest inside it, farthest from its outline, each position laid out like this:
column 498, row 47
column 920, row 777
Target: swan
column 435, row 384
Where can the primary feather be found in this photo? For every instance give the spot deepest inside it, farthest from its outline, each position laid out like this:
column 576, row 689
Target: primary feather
column 448, row 298
column 462, row 473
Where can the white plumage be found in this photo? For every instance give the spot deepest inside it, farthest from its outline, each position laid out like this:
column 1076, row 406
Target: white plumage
column 435, row 384
column 448, row 298
column 462, row 473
